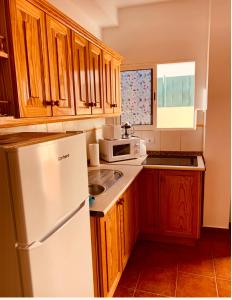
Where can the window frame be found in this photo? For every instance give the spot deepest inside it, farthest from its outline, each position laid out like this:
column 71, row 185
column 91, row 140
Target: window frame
column 153, row 67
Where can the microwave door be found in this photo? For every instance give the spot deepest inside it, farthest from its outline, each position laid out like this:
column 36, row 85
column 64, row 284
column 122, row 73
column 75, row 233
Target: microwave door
column 121, row 150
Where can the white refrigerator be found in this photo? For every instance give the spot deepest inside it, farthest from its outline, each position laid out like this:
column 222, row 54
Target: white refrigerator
column 45, row 240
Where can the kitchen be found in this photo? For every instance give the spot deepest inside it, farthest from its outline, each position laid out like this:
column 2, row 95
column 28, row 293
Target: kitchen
column 73, row 84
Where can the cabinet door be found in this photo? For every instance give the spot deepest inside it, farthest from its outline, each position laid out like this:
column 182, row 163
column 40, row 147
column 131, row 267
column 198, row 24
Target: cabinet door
column 30, row 50
column 128, row 222
column 96, row 90
column 135, row 193
column 179, row 200
column 110, row 251
column 116, row 88
column 81, row 74
column 149, row 201
column 60, row 63
column 107, row 83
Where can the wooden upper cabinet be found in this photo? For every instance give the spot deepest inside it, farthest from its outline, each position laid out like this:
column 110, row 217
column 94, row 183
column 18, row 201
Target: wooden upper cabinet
column 180, row 198
column 96, row 87
column 60, row 62
column 80, row 50
column 107, row 83
column 116, row 88
column 31, row 61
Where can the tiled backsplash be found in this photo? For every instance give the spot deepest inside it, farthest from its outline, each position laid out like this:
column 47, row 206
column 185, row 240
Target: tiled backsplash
column 92, row 127
column 172, row 140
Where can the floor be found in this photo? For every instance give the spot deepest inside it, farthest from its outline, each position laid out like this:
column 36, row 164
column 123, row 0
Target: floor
column 158, row 270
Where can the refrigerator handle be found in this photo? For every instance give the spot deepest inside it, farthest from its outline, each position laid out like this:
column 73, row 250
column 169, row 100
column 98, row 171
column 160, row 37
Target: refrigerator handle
column 58, row 227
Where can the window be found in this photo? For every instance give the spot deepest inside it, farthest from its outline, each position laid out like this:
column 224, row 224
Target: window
column 175, row 95
column 136, row 90
column 174, row 84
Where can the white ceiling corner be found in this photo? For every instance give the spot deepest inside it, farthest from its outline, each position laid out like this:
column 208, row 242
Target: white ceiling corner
column 102, row 13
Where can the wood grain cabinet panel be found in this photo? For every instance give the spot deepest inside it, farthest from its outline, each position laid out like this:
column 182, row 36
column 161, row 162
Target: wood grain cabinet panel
column 55, row 67
column 127, row 228
column 80, row 48
column 29, row 39
column 107, row 83
column 60, row 62
column 179, row 201
column 96, row 88
column 110, row 256
column 149, row 201
column 113, row 238
column 116, row 88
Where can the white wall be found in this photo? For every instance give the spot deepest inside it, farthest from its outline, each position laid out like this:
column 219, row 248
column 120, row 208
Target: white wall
column 217, row 138
column 72, row 10
column 166, row 32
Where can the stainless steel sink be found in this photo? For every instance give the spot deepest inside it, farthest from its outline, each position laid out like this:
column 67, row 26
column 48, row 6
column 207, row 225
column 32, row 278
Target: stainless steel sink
column 96, row 189
column 102, row 179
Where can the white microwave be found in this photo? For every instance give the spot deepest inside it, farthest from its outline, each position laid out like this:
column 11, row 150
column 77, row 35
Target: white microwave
column 121, row 149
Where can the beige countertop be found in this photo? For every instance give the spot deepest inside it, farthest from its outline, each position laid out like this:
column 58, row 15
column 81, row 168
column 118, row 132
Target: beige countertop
column 138, row 162
column 130, row 168
column 107, row 199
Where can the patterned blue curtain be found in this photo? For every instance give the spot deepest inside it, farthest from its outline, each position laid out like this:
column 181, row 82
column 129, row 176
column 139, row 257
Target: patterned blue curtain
column 136, row 90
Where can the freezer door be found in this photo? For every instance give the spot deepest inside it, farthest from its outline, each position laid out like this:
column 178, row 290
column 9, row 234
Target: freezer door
column 48, row 181
column 61, row 266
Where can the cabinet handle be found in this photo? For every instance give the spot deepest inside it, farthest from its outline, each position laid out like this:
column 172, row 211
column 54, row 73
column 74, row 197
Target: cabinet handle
column 113, row 105
column 55, row 103
column 52, row 103
column 91, row 104
column 120, row 201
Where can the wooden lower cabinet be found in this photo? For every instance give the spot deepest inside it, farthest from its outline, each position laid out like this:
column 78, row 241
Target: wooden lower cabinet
column 148, row 204
column 180, row 203
column 113, row 238
column 170, row 205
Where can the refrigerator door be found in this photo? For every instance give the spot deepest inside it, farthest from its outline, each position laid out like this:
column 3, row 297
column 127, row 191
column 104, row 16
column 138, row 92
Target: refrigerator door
column 48, row 181
column 61, row 265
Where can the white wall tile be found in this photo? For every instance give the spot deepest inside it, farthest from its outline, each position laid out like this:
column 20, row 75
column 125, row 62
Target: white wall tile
column 55, row 127
column 30, row 128
column 170, row 140
column 138, row 133
column 90, row 139
column 98, row 134
column 200, row 117
column 152, row 139
column 192, row 140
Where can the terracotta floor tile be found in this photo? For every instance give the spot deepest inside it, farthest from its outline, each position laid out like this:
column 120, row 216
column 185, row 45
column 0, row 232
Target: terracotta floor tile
column 158, row 281
column 161, row 258
column 123, row 292
column 145, row 294
column 196, row 263
column 223, row 267
column 129, row 277
column 221, row 248
column 190, row 285
column 224, row 288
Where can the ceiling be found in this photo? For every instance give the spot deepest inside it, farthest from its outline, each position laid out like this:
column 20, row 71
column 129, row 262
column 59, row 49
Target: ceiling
column 127, row 3
column 97, row 14
column 105, row 12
